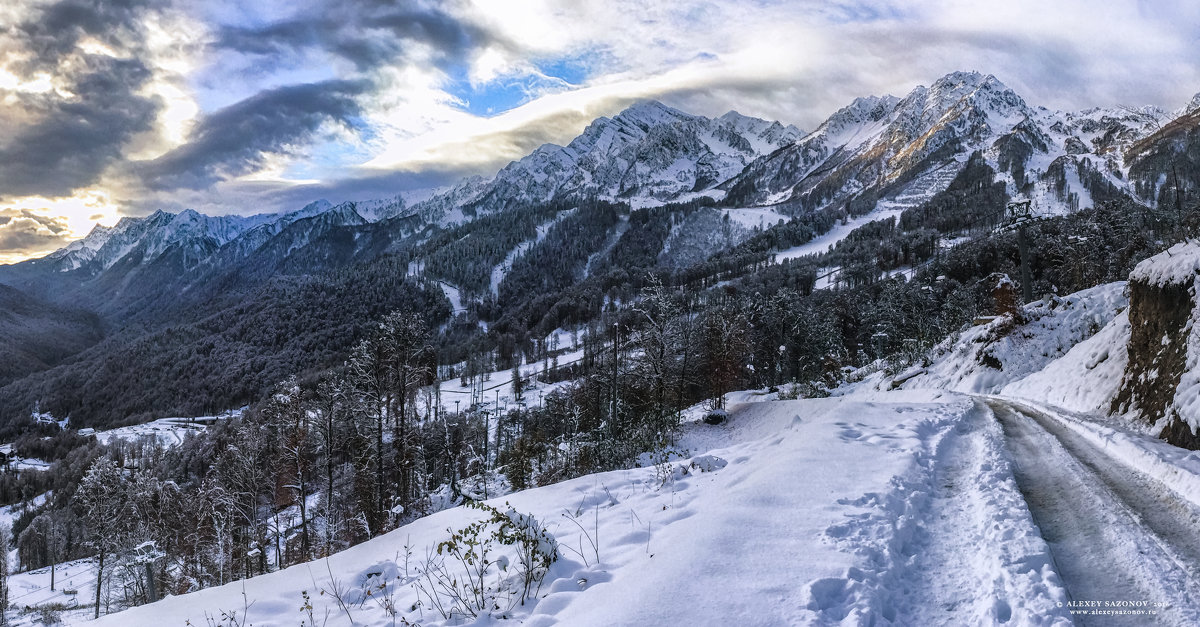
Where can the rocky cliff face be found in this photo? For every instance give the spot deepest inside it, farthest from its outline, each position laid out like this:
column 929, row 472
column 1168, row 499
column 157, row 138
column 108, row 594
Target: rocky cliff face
column 1161, row 386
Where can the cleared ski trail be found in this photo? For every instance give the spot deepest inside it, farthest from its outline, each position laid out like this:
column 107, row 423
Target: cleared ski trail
column 1117, row 536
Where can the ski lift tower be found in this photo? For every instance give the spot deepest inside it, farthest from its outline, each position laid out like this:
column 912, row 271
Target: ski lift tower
column 1018, row 215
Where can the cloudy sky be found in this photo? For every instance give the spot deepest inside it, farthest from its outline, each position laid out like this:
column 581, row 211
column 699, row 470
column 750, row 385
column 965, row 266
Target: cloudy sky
column 121, row 107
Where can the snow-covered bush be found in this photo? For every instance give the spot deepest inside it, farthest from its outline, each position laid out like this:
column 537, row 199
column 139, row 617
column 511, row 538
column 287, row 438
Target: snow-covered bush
column 473, row 572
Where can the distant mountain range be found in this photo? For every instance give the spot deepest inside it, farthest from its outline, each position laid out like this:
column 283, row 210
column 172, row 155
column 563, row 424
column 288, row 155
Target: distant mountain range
column 721, row 180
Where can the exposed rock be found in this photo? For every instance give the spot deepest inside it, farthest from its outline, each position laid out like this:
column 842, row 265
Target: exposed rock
column 1156, row 388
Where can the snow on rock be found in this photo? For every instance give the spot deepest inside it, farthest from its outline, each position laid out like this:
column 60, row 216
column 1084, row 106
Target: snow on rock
column 1178, row 265
column 762, row 525
column 1186, row 405
column 1161, row 386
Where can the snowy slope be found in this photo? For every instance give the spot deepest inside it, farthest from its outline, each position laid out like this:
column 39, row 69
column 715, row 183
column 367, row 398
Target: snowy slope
column 876, row 140
column 762, row 511
column 986, row 358
column 1086, row 378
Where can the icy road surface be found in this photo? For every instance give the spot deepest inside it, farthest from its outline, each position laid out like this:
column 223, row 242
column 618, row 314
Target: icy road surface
column 1119, row 538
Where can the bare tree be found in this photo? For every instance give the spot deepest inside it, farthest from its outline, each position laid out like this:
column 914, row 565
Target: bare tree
column 725, row 349
column 291, row 421
column 243, row 472
column 659, row 339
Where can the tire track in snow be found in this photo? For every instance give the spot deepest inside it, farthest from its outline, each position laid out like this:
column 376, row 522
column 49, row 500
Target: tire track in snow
column 1116, row 534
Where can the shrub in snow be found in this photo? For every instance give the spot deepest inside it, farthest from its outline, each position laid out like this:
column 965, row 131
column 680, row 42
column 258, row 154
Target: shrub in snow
column 708, row 463
column 473, row 572
column 803, row 389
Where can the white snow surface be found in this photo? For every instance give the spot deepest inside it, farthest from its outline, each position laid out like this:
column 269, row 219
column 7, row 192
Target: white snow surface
column 755, row 217
column 32, row 589
column 168, row 431
column 760, row 524
column 1178, row 265
column 1054, row 327
column 760, row 520
column 1186, row 404
column 840, row 231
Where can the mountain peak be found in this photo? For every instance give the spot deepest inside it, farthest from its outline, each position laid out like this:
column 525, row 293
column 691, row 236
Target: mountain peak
column 733, row 117
column 188, row 215
column 1194, row 105
column 650, row 113
column 969, row 78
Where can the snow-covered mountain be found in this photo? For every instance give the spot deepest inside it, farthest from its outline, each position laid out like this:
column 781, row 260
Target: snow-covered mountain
column 877, row 141
column 647, row 154
column 886, row 147
column 1192, row 106
column 875, row 157
column 152, row 235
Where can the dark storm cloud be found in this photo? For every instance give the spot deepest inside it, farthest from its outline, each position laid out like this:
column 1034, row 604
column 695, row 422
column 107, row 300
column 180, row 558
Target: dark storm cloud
column 367, row 33
column 60, row 142
column 71, row 141
column 235, row 140
column 24, row 231
column 58, row 28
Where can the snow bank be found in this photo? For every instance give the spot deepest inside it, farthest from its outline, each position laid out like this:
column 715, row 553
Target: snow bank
column 1186, row 404
column 1087, row 377
column 1178, row 265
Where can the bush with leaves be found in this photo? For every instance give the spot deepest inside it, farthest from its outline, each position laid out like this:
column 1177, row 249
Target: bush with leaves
column 472, row 573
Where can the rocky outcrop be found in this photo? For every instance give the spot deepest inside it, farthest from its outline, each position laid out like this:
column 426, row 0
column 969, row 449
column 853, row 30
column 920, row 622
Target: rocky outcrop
column 1161, row 386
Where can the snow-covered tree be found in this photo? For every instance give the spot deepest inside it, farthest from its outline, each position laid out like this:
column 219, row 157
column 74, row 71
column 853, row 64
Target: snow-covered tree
column 5, row 542
column 101, row 500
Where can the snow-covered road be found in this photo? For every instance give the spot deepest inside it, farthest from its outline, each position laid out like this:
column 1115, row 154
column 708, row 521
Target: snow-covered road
column 974, row 533
column 1121, row 540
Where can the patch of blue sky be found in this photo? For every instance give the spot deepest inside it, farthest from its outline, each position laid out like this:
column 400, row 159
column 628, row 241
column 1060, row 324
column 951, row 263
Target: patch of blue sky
column 327, row 158
column 864, row 11
column 509, row 91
